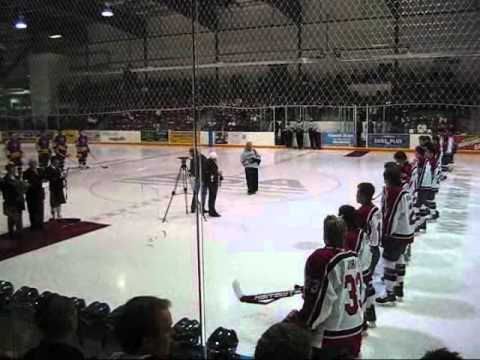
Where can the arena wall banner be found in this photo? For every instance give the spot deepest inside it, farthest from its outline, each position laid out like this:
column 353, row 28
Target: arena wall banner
column 338, row 139
column 125, row 137
column 181, row 137
column 93, row 136
column 468, row 142
column 160, row 136
column 401, row 141
column 257, row 138
column 24, row 135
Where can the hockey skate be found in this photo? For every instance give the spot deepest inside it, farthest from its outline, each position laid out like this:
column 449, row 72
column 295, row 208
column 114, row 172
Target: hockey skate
column 389, row 299
column 371, row 317
column 398, row 292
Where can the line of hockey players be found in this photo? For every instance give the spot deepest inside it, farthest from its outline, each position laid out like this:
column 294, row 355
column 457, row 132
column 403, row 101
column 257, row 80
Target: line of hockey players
column 18, row 184
column 339, row 296
column 47, row 149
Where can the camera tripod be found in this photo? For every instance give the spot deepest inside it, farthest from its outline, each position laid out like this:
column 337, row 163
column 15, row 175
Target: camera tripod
column 183, row 177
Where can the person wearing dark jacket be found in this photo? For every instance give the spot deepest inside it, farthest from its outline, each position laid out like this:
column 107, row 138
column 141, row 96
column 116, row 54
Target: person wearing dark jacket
column 56, row 181
column 214, row 177
column 199, row 183
column 13, row 190
column 35, row 195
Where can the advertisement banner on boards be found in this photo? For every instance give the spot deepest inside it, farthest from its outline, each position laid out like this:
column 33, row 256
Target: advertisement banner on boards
column 93, row 136
column 389, row 140
column 468, row 142
column 338, row 139
column 182, row 137
column 155, row 136
column 23, row 135
column 125, row 137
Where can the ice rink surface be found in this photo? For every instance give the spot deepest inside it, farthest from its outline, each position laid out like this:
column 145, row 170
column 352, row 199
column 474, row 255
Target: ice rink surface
column 262, row 241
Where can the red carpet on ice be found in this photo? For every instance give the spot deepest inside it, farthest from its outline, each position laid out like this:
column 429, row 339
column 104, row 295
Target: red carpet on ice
column 53, row 232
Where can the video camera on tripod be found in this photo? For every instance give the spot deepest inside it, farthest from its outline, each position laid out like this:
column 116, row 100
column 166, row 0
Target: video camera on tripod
column 183, row 179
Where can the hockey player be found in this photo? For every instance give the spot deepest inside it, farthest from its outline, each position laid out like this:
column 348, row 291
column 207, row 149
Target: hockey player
column 371, row 223
column 405, row 167
column 447, row 142
column 354, row 234
column 56, row 179
column 397, row 234
column 43, row 149
column 332, row 306
column 435, row 167
column 82, row 150
column 13, row 150
column 355, row 241
column 423, row 186
column 60, row 147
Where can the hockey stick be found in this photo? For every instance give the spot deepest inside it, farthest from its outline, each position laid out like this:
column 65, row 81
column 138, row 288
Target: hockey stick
column 266, row 298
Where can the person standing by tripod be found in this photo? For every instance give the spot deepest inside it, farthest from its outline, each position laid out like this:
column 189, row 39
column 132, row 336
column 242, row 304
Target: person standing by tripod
column 213, row 180
column 251, row 160
column 199, row 179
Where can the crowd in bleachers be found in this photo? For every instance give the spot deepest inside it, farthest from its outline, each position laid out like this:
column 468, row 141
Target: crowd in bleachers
column 274, row 88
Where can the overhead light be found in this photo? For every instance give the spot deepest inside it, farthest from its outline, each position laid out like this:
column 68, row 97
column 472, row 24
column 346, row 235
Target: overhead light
column 20, row 24
column 55, row 36
column 107, row 10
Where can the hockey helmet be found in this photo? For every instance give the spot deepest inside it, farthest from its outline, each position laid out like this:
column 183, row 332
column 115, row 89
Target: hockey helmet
column 187, row 331
column 223, row 342
column 6, row 292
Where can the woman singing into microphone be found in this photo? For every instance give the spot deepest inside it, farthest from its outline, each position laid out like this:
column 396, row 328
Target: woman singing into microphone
column 251, row 160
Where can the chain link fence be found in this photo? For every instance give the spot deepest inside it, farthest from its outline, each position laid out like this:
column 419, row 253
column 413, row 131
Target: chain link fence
column 253, row 57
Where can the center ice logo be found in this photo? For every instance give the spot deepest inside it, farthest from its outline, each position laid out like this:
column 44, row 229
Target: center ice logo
column 234, row 184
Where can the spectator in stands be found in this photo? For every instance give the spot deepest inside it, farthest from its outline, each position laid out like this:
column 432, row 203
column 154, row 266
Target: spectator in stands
column 57, row 319
column 144, row 329
column 441, row 354
column 284, row 341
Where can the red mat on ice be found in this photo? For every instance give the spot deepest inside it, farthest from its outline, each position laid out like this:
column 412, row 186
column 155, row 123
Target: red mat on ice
column 53, row 232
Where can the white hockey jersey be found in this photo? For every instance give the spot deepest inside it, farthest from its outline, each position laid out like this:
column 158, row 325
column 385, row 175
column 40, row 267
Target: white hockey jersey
column 398, row 214
column 423, row 175
column 436, row 166
column 371, row 219
column 332, row 295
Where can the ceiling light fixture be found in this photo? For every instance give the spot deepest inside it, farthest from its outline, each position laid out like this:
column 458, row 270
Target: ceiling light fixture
column 20, row 24
column 55, row 36
column 107, row 10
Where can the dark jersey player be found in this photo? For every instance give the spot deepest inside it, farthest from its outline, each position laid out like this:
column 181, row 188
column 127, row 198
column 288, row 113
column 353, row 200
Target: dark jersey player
column 43, row 150
column 60, row 147
column 13, row 150
column 82, row 150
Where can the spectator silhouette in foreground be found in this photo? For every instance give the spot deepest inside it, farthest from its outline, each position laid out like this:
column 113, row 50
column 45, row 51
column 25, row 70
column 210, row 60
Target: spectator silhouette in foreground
column 57, row 319
column 284, row 341
column 144, row 329
column 441, row 354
